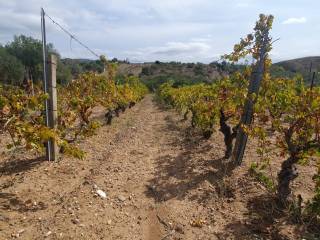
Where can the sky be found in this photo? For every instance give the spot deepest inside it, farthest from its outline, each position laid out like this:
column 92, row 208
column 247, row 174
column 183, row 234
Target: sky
column 165, row 30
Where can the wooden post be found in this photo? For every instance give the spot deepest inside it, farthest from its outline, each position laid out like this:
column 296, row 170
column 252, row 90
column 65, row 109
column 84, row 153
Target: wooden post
column 52, row 106
column 247, row 116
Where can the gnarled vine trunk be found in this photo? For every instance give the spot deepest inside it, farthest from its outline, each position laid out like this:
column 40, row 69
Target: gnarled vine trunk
column 288, row 171
column 123, row 108
column 131, row 104
column 228, row 132
column 117, row 111
column 109, row 117
column 286, row 175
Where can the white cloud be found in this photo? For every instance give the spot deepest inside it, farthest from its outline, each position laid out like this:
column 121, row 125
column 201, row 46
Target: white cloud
column 189, row 30
column 295, row 20
column 174, row 51
column 180, row 48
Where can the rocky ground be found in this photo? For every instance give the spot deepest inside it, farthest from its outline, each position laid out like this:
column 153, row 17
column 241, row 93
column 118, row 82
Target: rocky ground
column 147, row 176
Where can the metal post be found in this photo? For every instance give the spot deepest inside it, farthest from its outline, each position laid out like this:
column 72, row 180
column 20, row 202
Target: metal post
column 52, row 108
column 312, row 80
column 45, row 72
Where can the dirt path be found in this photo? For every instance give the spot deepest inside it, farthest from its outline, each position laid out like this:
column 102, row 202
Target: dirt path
column 161, row 181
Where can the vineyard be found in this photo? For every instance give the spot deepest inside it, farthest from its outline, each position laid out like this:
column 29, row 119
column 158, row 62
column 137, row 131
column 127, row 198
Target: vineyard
column 135, row 165
column 286, row 120
column 21, row 115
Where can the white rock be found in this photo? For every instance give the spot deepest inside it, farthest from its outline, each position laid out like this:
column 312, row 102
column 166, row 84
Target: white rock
column 101, row 193
column 121, row 198
column 48, row 234
column 75, row 221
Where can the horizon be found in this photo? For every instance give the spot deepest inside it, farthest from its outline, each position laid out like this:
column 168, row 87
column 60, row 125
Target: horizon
column 188, row 31
column 218, row 60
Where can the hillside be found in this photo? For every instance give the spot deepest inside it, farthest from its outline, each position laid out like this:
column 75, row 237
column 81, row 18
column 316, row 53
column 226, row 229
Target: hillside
column 131, row 68
column 154, row 74
column 301, row 65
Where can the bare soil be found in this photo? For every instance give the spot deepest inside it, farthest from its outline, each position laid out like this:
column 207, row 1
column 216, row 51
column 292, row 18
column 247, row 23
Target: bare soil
column 161, row 179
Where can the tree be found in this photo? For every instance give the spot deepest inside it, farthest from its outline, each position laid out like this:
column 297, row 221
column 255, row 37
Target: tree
column 115, row 60
column 93, row 66
column 11, row 69
column 64, row 74
column 146, row 71
column 29, row 51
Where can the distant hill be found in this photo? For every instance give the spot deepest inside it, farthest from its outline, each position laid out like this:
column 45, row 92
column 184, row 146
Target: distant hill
column 155, row 73
column 300, row 66
column 131, row 68
column 180, row 73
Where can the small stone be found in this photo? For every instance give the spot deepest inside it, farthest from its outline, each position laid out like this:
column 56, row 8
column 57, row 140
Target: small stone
column 109, row 222
column 48, row 234
column 15, row 235
column 121, row 198
column 75, row 221
column 101, row 193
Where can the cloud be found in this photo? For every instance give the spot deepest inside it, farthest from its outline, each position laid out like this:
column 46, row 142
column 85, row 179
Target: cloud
column 180, row 48
column 189, row 30
column 175, row 51
column 295, row 20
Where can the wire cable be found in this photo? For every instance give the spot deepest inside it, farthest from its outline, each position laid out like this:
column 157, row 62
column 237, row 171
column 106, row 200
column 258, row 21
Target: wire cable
column 72, row 36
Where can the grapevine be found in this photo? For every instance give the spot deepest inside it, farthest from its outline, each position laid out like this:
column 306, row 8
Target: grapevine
column 21, row 113
column 285, row 110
